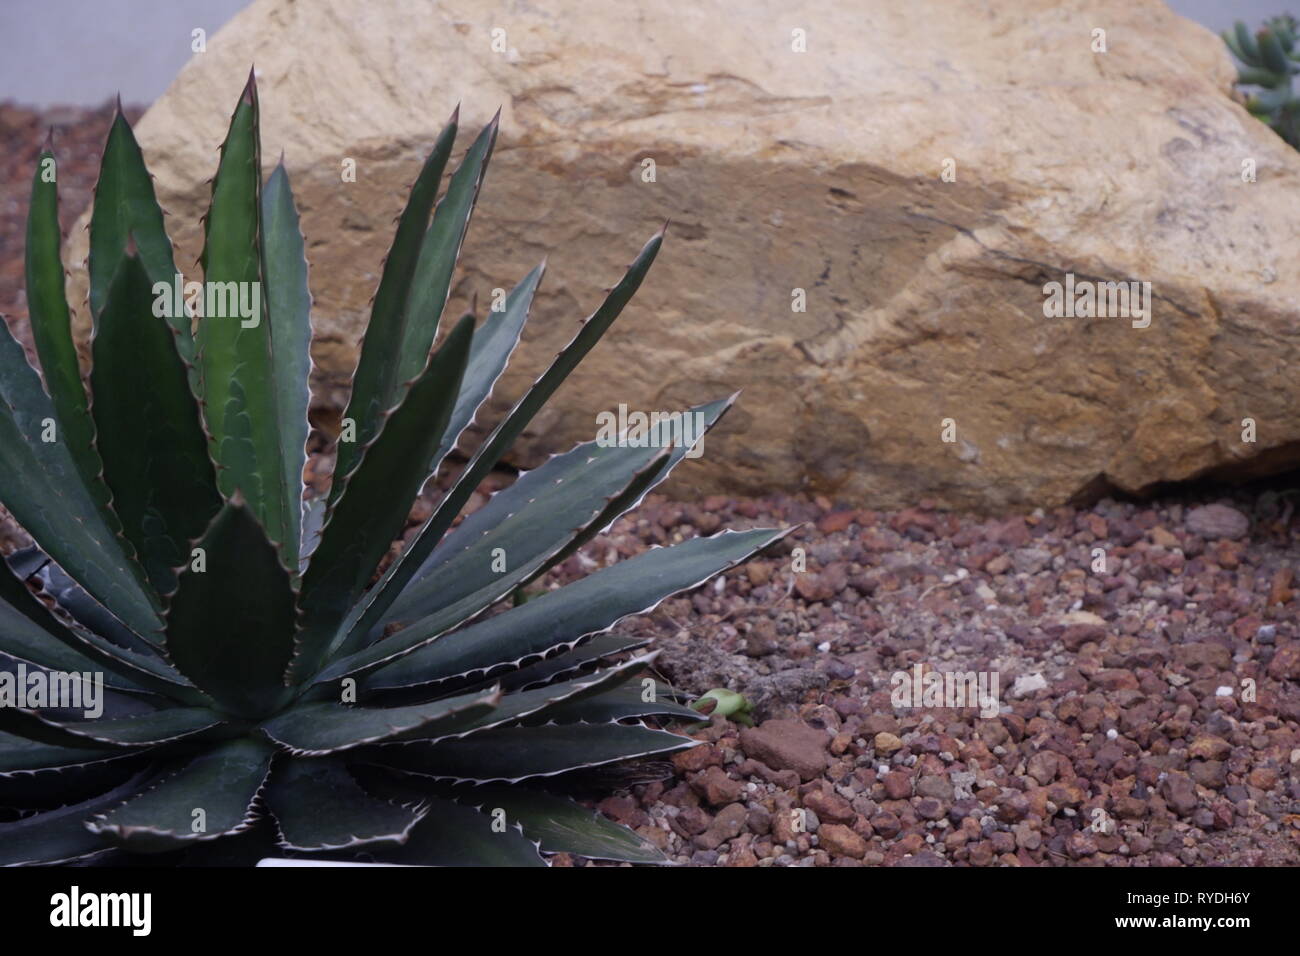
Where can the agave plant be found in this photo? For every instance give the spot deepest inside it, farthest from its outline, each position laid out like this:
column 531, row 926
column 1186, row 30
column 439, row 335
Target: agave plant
column 260, row 676
column 1268, row 60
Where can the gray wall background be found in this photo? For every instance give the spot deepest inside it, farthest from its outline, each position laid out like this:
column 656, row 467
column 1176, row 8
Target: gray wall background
column 81, row 52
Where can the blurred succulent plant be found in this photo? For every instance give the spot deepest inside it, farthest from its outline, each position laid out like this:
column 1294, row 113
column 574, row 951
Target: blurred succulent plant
column 261, row 680
column 1268, row 60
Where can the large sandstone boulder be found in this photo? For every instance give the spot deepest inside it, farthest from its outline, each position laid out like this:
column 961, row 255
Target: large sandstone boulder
column 822, row 171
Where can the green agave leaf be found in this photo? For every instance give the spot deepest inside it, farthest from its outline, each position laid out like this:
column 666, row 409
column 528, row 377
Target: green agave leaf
column 71, row 598
column 494, row 343
column 49, row 645
column 540, row 511
column 209, row 797
column 529, row 703
column 155, row 455
column 511, row 754
column 60, row 836
column 583, row 657
column 372, row 510
column 289, row 300
column 22, row 757
column 566, row 615
column 230, row 624
column 560, row 825
column 54, row 787
column 238, row 377
column 455, row 835
column 51, row 325
column 532, row 525
column 41, row 487
column 317, row 729
column 480, row 580
column 148, row 730
column 126, row 211
column 319, row 806
column 395, row 580
column 620, row 703
column 439, row 251
column 375, row 384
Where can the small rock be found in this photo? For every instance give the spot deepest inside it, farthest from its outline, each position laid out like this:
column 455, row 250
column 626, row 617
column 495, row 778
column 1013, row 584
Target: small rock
column 788, row 745
column 839, row 840
column 1217, row 521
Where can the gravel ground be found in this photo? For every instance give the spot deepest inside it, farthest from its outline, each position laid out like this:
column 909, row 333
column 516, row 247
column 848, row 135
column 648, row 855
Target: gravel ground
column 1126, row 733
column 1148, row 694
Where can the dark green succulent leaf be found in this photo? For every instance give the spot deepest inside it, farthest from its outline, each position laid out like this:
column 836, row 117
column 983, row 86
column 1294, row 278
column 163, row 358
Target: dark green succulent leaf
column 238, row 377
column 319, row 806
column 316, row 729
column 1246, row 43
column 539, row 514
column 452, row 834
column 494, row 342
column 155, row 455
column 147, row 730
column 376, row 385
column 479, row 579
column 571, row 661
column 208, row 797
column 54, row 787
column 534, row 704
column 1230, row 39
column 17, row 597
column 1257, row 77
column 372, row 510
column 72, row 599
column 125, row 211
column 533, row 526
column 566, row 615
column 439, row 251
column 289, row 300
column 41, row 487
column 51, row 324
column 128, row 667
column 395, row 580
column 20, row 756
column 560, row 825
column 511, row 754
column 230, row 626
column 50, row 645
column 620, row 703
column 60, row 836
column 1271, row 52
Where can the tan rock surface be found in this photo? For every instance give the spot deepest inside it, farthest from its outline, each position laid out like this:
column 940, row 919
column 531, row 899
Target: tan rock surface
column 818, row 170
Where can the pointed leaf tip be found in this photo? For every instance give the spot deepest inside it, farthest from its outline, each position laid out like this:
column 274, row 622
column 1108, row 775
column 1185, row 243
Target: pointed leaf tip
column 250, row 88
